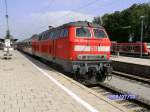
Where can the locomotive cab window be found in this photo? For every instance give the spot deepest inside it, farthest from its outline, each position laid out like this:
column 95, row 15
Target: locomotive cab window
column 148, row 45
column 83, row 32
column 98, row 33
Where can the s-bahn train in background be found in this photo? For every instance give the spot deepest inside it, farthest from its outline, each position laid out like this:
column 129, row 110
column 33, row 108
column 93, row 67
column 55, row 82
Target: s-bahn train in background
column 81, row 48
column 131, row 48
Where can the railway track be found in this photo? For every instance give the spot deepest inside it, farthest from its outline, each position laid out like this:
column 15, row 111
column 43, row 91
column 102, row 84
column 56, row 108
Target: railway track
column 132, row 105
column 138, row 79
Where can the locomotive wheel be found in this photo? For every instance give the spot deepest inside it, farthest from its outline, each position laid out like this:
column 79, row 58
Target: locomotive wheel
column 77, row 76
column 100, row 77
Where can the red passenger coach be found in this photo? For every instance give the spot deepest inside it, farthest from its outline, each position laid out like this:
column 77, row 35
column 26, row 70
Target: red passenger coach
column 131, row 48
column 81, row 48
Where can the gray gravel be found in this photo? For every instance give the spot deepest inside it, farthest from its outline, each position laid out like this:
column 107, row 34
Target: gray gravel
column 130, row 87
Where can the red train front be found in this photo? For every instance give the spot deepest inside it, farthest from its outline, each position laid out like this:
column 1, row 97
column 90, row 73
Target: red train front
column 81, row 48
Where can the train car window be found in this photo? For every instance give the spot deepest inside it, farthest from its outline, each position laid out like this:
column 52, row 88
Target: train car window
column 54, row 35
column 83, row 32
column 98, row 33
column 57, row 34
column 61, row 33
column 45, row 36
column 65, row 33
column 40, row 37
column 50, row 35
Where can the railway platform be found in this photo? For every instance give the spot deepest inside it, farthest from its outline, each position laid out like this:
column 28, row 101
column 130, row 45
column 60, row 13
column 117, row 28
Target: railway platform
column 27, row 85
column 134, row 60
column 132, row 65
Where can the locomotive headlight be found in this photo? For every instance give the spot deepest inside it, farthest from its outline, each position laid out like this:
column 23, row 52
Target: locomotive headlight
column 79, row 57
column 102, row 57
column 83, row 57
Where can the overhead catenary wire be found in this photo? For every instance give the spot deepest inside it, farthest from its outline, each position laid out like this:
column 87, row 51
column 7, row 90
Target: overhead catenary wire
column 86, row 6
column 79, row 8
column 76, row 9
column 6, row 7
column 52, row 2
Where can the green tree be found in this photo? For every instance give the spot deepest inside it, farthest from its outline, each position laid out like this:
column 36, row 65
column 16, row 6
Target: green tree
column 115, row 23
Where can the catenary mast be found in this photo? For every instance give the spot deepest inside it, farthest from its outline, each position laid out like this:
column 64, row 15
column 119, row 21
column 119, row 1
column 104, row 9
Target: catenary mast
column 7, row 22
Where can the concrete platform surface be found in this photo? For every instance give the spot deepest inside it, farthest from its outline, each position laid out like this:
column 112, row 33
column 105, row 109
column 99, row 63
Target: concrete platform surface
column 139, row 61
column 30, row 86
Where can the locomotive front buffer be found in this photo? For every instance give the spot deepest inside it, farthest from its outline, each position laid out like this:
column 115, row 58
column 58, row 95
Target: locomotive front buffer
column 93, row 71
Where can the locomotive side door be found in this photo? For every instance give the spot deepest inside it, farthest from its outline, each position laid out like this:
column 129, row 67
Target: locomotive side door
column 53, row 49
column 54, row 44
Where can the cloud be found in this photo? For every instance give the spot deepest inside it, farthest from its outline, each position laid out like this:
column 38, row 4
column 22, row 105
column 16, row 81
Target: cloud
column 37, row 22
column 59, row 17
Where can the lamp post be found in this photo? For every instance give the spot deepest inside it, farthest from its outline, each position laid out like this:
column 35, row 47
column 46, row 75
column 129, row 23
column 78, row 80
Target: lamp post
column 142, row 24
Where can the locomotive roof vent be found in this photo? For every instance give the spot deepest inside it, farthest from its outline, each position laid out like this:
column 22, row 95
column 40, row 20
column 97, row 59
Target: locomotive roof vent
column 50, row 27
column 89, row 24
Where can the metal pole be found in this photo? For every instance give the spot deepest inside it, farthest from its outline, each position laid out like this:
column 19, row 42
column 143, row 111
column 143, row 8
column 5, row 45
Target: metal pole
column 6, row 15
column 141, row 54
column 101, row 21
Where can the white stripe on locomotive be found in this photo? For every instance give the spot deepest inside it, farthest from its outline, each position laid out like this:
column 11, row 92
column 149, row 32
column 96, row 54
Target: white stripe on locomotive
column 89, row 48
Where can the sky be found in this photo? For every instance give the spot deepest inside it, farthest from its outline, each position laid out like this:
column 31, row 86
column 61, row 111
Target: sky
column 28, row 17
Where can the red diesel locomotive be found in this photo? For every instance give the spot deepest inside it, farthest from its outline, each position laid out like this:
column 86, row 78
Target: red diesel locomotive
column 81, row 48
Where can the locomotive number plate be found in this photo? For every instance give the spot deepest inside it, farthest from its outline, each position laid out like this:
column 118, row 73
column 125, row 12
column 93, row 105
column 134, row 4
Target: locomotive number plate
column 94, row 48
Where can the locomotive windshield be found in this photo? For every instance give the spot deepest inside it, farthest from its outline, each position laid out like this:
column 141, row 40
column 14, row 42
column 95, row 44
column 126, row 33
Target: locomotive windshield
column 148, row 45
column 83, row 32
column 98, row 33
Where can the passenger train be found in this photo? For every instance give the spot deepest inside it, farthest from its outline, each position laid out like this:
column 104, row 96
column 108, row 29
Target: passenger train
column 81, row 48
column 132, row 48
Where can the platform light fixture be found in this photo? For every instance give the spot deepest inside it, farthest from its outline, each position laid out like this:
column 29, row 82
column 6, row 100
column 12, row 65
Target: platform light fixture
column 129, row 31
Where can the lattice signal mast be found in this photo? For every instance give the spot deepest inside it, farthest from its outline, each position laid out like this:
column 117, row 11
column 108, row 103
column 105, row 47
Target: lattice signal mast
column 7, row 22
column 8, row 40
